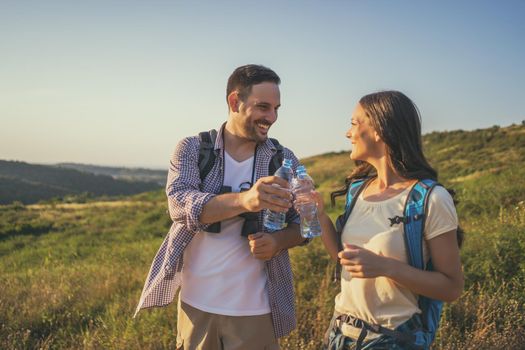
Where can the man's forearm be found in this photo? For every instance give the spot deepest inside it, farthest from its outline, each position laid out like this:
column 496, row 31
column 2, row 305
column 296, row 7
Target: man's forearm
column 262, row 195
column 221, row 207
column 289, row 237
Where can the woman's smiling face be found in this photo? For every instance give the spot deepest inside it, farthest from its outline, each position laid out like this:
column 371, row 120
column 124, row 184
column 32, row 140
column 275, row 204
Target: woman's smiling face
column 365, row 140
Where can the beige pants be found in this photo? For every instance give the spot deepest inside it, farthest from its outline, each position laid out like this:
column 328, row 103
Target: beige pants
column 199, row 330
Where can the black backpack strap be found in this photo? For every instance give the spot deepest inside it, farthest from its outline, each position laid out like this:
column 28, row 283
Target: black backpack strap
column 206, row 152
column 277, row 158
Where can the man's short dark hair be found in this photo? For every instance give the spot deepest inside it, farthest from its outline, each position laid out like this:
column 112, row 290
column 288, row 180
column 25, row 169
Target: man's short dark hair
column 243, row 78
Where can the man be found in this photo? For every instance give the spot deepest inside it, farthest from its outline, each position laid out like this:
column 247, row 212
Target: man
column 236, row 291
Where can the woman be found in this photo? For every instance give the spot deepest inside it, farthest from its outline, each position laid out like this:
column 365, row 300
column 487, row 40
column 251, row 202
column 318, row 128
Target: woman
column 379, row 288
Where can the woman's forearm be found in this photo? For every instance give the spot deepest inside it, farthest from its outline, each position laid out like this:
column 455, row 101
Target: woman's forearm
column 432, row 284
column 445, row 282
column 329, row 236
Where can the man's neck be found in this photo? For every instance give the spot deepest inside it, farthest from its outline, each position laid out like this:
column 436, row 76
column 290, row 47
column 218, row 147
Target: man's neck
column 239, row 148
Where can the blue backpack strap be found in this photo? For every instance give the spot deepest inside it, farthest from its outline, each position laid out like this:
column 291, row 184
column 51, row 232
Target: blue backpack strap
column 415, row 212
column 354, row 189
column 414, row 219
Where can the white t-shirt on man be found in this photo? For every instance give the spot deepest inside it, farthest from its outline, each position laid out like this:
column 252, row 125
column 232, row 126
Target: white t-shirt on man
column 220, row 275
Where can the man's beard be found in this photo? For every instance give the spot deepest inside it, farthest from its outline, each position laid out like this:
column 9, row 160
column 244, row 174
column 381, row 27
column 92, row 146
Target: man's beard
column 253, row 135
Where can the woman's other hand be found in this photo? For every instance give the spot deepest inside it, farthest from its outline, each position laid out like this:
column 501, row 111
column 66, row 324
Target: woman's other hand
column 319, row 200
column 361, row 262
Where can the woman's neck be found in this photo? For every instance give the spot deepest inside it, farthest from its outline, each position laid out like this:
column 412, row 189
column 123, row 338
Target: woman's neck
column 387, row 178
column 386, row 175
column 387, row 184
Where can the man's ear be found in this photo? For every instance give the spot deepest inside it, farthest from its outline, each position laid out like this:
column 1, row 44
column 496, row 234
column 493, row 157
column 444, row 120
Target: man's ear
column 233, row 101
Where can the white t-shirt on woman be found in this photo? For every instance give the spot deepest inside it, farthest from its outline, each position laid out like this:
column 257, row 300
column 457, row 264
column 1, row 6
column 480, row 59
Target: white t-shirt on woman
column 381, row 300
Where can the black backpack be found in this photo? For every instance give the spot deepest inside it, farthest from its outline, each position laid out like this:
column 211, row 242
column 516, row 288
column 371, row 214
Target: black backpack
column 206, row 161
column 207, row 155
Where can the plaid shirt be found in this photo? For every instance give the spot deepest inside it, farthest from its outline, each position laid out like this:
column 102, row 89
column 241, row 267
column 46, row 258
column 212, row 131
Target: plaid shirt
column 187, row 196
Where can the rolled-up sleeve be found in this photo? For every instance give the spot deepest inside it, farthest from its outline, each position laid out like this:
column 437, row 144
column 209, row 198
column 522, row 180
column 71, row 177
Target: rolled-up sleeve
column 185, row 199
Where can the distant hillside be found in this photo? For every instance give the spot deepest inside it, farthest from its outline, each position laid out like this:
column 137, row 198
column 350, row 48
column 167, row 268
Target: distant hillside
column 457, row 155
column 120, row 173
column 30, row 183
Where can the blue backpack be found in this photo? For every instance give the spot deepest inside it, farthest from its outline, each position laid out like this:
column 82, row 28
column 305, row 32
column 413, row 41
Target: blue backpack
column 414, row 215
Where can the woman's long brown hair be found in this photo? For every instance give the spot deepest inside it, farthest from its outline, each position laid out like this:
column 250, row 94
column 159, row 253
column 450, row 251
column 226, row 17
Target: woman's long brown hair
column 397, row 121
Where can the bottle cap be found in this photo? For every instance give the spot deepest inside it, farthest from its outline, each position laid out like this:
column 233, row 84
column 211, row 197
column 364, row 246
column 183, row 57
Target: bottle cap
column 287, row 162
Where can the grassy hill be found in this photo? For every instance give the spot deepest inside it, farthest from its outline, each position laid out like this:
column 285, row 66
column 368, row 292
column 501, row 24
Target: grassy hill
column 30, row 183
column 120, row 173
column 72, row 273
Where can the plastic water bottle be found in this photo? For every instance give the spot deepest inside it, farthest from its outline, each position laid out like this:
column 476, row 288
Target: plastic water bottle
column 272, row 220
column 302, row 187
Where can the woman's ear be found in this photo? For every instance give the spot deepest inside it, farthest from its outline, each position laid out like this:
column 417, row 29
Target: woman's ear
column 233, row 101
column 377, row 138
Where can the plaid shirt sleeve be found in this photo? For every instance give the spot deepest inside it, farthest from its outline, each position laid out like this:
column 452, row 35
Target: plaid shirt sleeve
column 185, row 198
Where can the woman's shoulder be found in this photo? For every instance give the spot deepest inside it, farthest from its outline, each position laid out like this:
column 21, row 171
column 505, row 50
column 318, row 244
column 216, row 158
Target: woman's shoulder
column 442, row 216
column 440, row 194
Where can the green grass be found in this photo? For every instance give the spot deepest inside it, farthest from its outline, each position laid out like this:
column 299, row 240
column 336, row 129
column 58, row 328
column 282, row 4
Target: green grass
column 72, row 274
column 77, row 284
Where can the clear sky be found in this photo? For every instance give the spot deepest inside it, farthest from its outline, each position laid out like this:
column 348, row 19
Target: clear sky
column 120, row 82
